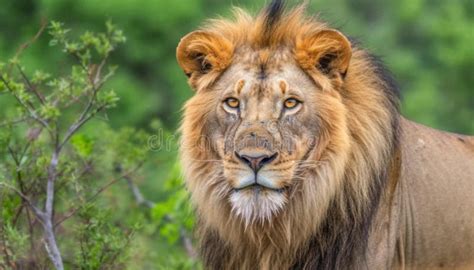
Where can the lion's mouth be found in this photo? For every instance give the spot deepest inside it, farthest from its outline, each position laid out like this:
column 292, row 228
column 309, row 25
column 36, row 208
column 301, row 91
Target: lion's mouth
column 257, row 187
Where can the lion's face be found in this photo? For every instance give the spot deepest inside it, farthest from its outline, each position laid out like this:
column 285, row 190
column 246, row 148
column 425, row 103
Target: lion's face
column 264, row 127
column 266, row 114
column 267, row 125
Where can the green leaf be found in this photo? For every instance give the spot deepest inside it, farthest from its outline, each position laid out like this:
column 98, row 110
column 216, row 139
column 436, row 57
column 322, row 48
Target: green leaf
column 83, row 144
column 50, row 111
column 170, row 232
column 39, row 77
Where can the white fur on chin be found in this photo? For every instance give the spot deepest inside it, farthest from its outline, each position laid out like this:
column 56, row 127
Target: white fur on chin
column 256, row 204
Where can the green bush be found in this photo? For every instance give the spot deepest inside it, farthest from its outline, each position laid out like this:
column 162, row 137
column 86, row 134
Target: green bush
column 54, row 174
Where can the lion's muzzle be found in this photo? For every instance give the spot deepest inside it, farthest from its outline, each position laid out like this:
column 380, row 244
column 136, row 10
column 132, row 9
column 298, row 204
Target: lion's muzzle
column 256, row 161
column 256, row 152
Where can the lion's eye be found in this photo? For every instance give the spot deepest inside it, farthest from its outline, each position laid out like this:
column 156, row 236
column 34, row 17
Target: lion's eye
column 232, row 103
column 291, row 103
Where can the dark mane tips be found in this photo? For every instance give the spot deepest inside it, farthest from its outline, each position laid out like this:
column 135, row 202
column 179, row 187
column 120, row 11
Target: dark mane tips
column 272, row 15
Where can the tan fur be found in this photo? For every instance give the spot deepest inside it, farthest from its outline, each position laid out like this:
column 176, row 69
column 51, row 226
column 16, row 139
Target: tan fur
column 334, row 175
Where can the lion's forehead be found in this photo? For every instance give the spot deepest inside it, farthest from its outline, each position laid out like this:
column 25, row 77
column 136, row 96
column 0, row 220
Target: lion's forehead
column 270, row 78
column 271, row 57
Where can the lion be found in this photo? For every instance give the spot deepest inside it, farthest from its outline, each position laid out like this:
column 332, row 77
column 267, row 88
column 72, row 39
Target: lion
column 296, row 155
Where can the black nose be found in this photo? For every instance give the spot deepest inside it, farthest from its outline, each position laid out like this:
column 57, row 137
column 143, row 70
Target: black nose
column 256, row 162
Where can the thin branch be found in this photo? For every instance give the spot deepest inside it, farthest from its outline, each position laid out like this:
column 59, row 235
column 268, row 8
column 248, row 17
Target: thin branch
column 31, row 86
column 74, row 100
column 39, row 214
column 93, row 197
column 104, row 79
column 137, row 195
column 31, row 232
column 95, row 83
column 78, row 124
column 128, row 238
column 9, row 262
column 188, row 244
column 83, row 172
column 84, row 67
column 98, row 72
column 140, row 199
column 31, row 112
column 12, row 154
column 16, row 121
column 25, row 45
column 83, row 118
column 20, row 182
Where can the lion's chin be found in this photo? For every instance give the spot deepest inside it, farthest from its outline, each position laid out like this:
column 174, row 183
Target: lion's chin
column 257, row 204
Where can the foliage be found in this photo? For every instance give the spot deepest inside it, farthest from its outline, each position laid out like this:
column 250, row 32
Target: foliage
column 101, row 243
column 53, row 172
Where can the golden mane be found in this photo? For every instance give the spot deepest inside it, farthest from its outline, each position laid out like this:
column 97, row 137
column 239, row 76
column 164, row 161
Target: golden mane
column 273, row 27
column 360, row 144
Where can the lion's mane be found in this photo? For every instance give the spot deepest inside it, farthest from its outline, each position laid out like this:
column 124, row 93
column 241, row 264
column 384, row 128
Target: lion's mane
column 356, row 151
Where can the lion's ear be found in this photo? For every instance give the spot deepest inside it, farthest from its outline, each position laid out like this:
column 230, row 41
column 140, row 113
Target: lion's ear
column 201, row 52
column 327, row 51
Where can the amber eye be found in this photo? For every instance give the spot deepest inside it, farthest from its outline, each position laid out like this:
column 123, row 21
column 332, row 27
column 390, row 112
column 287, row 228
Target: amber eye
column 291, row 103
column 232, row 103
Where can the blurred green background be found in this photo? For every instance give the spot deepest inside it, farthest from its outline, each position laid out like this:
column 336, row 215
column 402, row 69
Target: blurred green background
column 428, row 45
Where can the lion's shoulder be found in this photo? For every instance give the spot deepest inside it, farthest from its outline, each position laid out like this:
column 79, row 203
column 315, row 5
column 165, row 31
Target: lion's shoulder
column 436, row 184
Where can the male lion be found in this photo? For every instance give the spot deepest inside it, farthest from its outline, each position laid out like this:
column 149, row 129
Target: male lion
column 296, row 155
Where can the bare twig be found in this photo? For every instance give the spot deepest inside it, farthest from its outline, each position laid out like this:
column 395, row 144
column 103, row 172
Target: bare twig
column 75, row 100
column 137, row 195
column 86, row 115
column 128, row 238
column 140, row 199
column 19, row 179
column 16, row 121
column 187, row 244
column 30, row 111
column 39, row 214
column 3, row 247
column 30, row 85
column 31, row 232
column 79, row 123
column 94, row 196
column 25, row 45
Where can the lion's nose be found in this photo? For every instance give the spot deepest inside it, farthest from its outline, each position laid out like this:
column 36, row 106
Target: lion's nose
column 256, row 162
